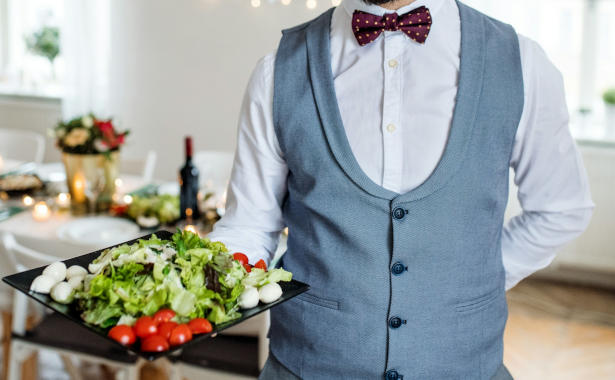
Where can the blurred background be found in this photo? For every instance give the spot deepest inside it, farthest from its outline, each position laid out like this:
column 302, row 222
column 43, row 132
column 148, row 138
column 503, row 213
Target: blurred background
column 164, row 69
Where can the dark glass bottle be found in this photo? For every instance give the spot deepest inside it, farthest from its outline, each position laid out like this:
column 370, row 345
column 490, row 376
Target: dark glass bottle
column 189, row 186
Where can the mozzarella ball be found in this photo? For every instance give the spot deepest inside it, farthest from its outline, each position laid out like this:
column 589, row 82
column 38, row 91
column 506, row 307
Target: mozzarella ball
column 56, row 270
column 62, row 292
column 75, row 271
column 42, row 284
column 249, row 298
column 269, row 293
column 76, row 282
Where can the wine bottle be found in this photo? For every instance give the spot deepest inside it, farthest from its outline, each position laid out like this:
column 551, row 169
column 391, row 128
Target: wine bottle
column 189, row 186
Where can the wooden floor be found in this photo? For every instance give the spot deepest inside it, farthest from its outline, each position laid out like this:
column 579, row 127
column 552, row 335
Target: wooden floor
column 560, row 331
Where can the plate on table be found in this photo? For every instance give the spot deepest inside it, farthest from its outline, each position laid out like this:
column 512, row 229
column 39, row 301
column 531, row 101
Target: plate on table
column 22, row 281
column 98, row 231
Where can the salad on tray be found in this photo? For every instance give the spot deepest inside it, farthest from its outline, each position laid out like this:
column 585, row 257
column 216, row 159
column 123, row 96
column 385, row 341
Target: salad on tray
column 162, row 292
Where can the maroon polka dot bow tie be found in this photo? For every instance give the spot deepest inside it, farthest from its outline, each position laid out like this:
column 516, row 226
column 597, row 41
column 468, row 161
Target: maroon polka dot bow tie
column 414, row 24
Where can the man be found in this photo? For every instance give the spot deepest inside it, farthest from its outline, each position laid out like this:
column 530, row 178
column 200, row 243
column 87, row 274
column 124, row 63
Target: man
column 381, row 133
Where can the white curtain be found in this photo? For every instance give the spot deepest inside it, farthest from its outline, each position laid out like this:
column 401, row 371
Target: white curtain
column 85, row 43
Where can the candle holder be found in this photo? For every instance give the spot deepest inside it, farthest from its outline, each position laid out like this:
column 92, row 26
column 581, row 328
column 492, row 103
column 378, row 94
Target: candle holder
column 91, row 181
column 41, row 212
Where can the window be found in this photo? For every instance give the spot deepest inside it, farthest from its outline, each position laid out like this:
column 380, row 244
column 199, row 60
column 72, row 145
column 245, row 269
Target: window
column 31, row 62
column 579, row 38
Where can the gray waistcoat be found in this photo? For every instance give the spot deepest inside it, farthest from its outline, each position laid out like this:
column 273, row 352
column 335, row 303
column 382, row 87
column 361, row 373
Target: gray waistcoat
column 406, row 284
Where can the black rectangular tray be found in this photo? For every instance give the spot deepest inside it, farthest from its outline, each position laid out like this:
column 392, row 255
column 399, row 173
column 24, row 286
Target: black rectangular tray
column 21, row 281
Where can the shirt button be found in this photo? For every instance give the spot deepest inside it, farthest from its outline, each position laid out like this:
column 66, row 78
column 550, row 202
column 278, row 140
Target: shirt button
column 399, row 213
column 398, row 268
column 395, row 322
column 391, row 375
column 391, row 128
column 393, row 63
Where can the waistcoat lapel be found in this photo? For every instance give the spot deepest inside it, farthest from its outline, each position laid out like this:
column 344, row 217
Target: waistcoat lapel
column 466, row 108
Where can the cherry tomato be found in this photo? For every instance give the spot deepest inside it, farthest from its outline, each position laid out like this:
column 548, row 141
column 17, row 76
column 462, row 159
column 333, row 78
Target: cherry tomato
column 165, row 328
column 145, row 327
column 163, row 315
column 243, row 259
column 261, row 264
column 154, row 343
column 247, row 267
column 200, row 326
column 123, row 334
column 180, row 334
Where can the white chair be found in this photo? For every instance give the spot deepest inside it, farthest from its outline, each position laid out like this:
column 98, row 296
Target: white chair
column 139, row 166
column 214, row 169
column 54, row 331
column 20, row 145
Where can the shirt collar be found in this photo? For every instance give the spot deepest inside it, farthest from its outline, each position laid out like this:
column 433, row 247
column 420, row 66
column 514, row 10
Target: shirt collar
column 352, row 5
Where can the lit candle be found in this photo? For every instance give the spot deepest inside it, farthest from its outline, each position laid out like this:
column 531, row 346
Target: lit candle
column 63, row 200
column 191, row 228
column 127, row 199
column 41, row 212
column 79, row 187
column 27, row 200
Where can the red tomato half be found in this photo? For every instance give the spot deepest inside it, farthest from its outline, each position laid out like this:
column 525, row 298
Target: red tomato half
column 247, row 267
column 261, row 264
column 243, row 259
column 200, row 326
column 165, row 328
column 163, row 315
column 145, row 327
column 123, row 334
column 180, row 335
column 154, row 343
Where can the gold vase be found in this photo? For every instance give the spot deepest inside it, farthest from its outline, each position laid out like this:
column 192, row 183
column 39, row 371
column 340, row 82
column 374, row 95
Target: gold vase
column 91, row 181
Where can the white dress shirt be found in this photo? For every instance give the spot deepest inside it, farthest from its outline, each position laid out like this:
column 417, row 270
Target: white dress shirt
column 396, row 99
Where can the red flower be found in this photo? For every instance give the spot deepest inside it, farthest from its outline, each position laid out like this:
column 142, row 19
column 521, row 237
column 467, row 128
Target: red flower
column 110, row 139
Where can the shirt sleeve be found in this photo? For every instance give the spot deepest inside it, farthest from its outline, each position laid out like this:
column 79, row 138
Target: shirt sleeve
column 553, row 188
column 253, row 219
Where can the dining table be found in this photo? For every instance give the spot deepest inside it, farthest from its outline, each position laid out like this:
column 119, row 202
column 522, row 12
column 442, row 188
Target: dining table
column 52, row 235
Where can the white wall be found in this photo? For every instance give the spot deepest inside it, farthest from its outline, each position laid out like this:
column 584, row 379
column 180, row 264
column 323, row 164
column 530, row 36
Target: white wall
column 181, row 67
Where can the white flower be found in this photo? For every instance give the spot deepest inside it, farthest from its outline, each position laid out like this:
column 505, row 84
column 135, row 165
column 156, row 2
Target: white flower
column 77, row 136
column 87, row 121
column 100, row 146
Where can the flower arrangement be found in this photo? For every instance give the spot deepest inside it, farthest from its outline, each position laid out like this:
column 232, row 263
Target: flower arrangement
column 88, row 135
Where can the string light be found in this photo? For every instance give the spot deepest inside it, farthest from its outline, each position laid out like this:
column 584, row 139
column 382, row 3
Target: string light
column 255, row 3
column 311, row 4
column 335, row 3
column 285, row 2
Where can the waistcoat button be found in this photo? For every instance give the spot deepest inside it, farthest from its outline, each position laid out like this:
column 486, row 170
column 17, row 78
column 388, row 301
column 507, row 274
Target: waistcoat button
column 399, row 213
column 395, row 322
column 398, row 268
column 391, row 375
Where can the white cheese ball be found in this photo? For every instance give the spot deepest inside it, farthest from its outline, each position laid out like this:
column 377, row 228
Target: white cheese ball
column 75, row 271
column 249, row 298
column 56, row 270
column 43, row 284
column 76, row 282
column 62, row 292
column 269, row 293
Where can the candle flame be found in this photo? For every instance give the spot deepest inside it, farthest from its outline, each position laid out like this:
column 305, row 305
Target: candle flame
column 41, row 211
column 191, row 228
column 27, row 200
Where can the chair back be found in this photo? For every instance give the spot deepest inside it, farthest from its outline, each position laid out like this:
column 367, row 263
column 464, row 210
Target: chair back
column 214, row 169
column 24, row 146
column 21, row 258
column 139, row 166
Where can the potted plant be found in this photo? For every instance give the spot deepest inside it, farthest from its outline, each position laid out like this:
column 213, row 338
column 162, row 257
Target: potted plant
column 609, row 102
column 90, row 152
column 46, row 43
